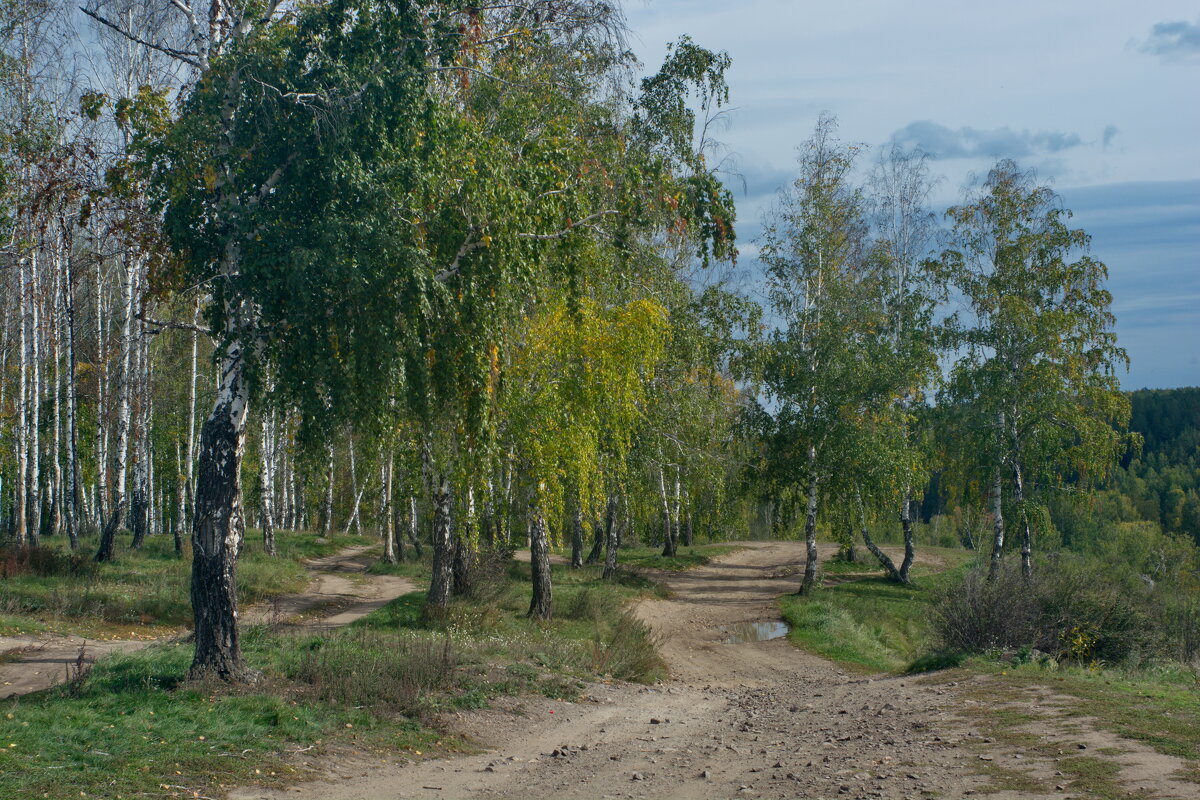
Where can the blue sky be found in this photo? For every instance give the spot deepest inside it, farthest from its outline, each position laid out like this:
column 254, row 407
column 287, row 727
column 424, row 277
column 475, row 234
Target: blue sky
column 1101, row 98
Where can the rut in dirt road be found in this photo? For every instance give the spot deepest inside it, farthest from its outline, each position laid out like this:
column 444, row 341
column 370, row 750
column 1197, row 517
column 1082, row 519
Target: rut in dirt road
column 759, row 719
column 340, row 592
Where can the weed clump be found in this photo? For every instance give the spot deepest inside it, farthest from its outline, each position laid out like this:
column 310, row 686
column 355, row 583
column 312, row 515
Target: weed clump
column 45, row 562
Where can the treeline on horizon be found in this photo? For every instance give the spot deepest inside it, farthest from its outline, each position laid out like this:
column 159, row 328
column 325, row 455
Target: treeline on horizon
column 428, row 272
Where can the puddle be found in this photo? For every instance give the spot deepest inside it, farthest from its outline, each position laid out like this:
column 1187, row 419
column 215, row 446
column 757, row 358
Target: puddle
column 754, row 631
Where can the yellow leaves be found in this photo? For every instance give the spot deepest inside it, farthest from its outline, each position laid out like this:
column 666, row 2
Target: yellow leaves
column 210, row 177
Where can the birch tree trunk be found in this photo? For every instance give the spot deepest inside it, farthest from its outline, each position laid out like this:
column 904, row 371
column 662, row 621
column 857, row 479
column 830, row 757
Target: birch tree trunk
column 668, row 536
column 577, row 536
column 327, row 506
column 103, row 377
column 412, row 525
column 357, row 492
column 117, row 511
column 35, row 409
column 386, row 519
column 1026, row 528
column 611, row 539
column 56, row 493
column 597, row 542
column 810, row 528
column 541, row 605
column 267, row 482
column 218, row 528
column 997, row 527
column 75, row 503
column 884, row 558
column 906, row 526
column 21, row 488
column 441, row 582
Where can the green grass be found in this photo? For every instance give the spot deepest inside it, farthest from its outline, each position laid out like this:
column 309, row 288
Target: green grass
column 148, row 588
column 134, row 725
column 872, row 623
column 684, row 558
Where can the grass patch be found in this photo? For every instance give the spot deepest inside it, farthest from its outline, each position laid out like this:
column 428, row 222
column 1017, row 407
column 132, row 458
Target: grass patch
column 869, row 624
column 143, row 589
column 133, row 728
column 684, row 559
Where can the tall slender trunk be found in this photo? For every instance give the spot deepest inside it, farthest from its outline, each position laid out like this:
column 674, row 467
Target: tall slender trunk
column 1026, row 527
column 177, row 522
column 907, row 526
column 327, row 506
column 442, row 580
column 189, row 464
column 997, row 526
column 541, row 605
column 387, row 520
column 688, row 534
column 57, row 513
column 267, row 483
column 218, row 527
column 117, row 511
column 464, row 546
column 141, row 510
column 412, row 525
column 75, row 503
column 577, row 535
column 884, row 558
column 669, row 545
column 35, row 408
column 354, row 489
column 612, row 536
column 103, row 377
column 21, row 487
column 810, row 527
column 597, row 542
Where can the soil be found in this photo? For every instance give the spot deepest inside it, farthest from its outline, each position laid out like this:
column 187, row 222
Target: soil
column 340, row 592
column 754, row 720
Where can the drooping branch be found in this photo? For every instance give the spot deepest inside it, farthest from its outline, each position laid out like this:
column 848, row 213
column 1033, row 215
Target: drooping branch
column 583, row 223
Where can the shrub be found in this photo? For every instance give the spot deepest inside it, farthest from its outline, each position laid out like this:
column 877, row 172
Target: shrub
column 629, row 651
column 379, row 669
column 1070, row 612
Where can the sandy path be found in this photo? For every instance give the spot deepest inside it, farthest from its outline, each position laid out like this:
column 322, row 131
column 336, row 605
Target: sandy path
column 761, row 720
column 339, row 593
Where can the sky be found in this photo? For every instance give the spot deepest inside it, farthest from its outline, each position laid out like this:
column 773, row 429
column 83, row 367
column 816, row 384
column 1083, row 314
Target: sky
column 1100, row 98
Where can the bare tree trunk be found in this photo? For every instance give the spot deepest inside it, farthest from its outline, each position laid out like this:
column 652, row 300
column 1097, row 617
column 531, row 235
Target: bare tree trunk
column 189, row 481
column 75, row 503
column 355, row 490
column 56, row 493
column 35, row 408
column 597, row 542
column 327, row 506
column 218, row 528
column 143, row 490
column 177, row 522
column 103, row 376
column 21, row 489
column 883, row 557
column 907, row 526
column 810, row 528
column 412, row 525
column 577, row 536
column 688, row 538
column 611, row 539
column 541, row 605
column 1026, row 528
column 464, row 546
column 267, row 484
column 117, row 512
column 442, row 580
column 387, row 520
column 669, row 544
column 997, row 527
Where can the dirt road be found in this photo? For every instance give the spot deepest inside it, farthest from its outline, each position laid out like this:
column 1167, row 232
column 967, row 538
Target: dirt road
column 340, row 592
column 753, row 720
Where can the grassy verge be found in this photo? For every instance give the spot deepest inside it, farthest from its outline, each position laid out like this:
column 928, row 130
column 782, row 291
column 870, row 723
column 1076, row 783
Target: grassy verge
column 135, row 727
column 870, row 624
column 685, row 558
column 144, row 592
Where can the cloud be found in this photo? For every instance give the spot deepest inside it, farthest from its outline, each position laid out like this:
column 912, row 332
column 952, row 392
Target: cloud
column 1173, row 39
column 942, row 142
column 1110, row 133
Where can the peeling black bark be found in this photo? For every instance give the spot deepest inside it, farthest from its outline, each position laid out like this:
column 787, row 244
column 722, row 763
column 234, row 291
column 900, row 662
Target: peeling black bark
column 810, row 535
column 217, row 530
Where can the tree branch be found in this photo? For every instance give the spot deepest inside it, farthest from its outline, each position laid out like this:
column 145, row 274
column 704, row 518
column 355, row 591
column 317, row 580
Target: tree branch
column 543, row 237
column 179, row 326
column 186, row 56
